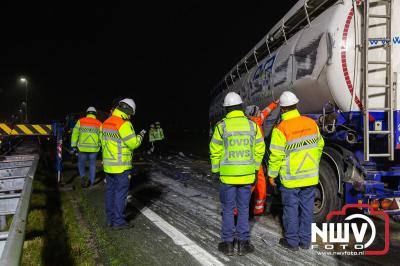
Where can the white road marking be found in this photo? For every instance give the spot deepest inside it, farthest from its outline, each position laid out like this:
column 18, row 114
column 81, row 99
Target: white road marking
column 201, row 255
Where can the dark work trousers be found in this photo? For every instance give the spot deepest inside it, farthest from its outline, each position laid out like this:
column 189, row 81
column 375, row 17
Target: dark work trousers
column 232, row 196
column 159, row 147
column 117, row 188
column 298, row 205
column 82, row 158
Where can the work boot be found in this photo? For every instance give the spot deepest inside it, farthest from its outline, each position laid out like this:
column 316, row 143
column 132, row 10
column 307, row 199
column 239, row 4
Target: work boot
column 304, row 246
column 122, row 227
column 283, row 242
column 83, row 182
column 268, row 205
column 226, row 248
column 244, row 247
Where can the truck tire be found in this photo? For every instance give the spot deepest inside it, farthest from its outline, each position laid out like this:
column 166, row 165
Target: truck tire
column 327, row 198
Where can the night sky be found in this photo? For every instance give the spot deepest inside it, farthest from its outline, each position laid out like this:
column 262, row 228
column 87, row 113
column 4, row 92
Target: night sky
column 166, row 56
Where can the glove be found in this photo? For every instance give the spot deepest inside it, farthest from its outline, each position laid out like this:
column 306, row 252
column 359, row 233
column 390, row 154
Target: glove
column 142, row 133
column 73, row 151
column 215, row 175
column 272, row 181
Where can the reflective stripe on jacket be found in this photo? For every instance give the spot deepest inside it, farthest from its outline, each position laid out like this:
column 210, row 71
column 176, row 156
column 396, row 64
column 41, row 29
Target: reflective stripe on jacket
column 118, row 142
column 296, row 148
column 86, row 134
column 236, row 149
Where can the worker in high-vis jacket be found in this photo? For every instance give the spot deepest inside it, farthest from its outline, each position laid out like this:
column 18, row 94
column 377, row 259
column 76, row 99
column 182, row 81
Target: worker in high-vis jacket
column 152, row 138
column 86, row 139
column 118, row 142
column 236, row 150
column 158, row 137
column 159, row 131
column 296, row 149
column 260, row 189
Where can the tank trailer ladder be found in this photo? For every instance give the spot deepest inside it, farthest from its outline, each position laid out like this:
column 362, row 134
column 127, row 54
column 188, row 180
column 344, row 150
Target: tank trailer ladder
column 371, row 56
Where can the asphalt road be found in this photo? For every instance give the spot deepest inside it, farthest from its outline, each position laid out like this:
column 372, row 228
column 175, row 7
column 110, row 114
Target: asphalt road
column 176, row 214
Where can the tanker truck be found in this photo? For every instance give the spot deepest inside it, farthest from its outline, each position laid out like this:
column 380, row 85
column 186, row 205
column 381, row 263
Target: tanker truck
column 341, row 58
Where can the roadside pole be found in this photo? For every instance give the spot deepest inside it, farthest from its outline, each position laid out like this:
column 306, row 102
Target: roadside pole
column 59, row 130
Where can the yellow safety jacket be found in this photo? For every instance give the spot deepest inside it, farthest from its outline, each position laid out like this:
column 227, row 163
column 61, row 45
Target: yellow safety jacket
column 152, row 135
column 118, row 141
column 296, row 149
column 236, row 149
column 86, row 134
column 158, row 133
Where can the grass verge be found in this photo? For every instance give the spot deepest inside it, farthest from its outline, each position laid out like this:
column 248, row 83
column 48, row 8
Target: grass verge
column 54, row 235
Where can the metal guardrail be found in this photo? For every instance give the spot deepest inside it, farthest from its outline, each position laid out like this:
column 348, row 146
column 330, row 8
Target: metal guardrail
column 16, row 178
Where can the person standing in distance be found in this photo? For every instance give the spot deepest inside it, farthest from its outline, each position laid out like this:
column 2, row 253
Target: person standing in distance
column 85, row 139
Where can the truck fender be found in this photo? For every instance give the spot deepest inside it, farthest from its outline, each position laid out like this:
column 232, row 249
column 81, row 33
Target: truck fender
column 334, row 158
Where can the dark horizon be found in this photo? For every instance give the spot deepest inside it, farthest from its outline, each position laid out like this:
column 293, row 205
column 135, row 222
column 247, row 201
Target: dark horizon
column 166, row 57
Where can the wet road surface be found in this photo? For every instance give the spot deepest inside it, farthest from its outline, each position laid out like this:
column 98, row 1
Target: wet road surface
column 176, row 214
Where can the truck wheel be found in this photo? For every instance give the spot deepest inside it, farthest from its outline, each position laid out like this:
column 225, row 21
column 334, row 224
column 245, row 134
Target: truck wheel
column 327, row 198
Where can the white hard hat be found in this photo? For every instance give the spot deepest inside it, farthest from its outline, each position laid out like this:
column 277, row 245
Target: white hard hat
column 232, row 99
column 288, row 98
column 91, row 109
column 128, row 106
